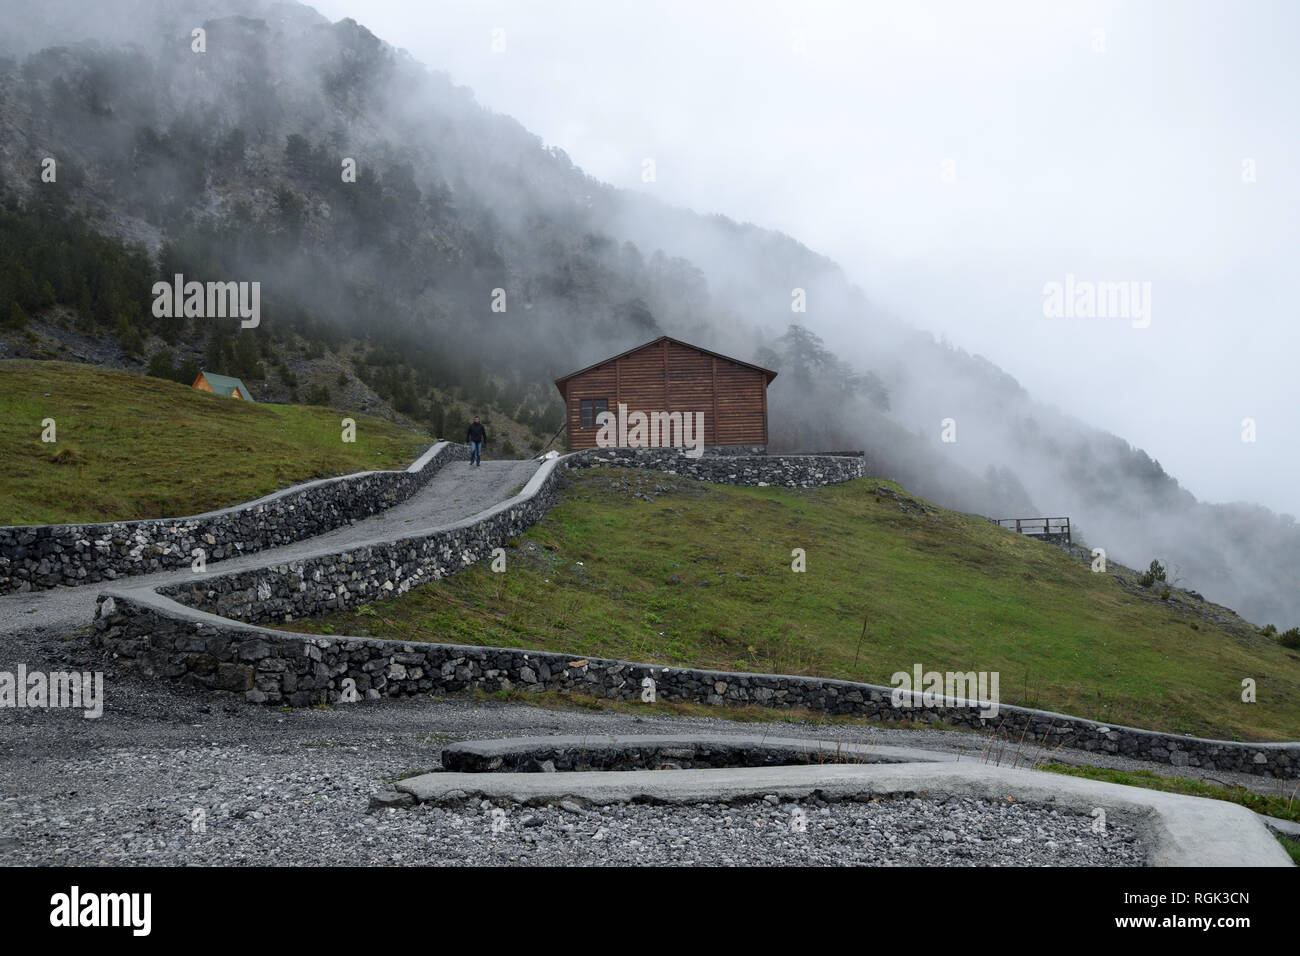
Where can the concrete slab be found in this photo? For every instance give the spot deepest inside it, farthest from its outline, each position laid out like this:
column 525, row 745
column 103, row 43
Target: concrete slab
column 1177, row 830
column 1287, row 828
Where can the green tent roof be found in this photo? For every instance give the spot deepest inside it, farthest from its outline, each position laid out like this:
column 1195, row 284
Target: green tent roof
column 226, row 385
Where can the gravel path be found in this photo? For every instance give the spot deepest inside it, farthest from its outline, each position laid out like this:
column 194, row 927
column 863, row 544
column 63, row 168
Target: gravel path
column 457, row 491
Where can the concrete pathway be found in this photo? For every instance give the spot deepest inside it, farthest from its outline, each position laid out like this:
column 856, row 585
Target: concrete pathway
column 457, row 491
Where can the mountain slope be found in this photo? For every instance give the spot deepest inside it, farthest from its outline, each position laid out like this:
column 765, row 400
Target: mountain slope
column 227, row 165
column 133, row 447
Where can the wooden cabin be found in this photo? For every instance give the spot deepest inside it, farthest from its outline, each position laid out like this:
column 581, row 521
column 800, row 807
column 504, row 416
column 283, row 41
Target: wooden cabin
column 226, row 385
column 668, row 376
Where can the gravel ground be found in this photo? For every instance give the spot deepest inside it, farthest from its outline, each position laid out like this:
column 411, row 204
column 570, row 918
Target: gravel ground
column 293, row 787
column 943, row 831
column 310, row 819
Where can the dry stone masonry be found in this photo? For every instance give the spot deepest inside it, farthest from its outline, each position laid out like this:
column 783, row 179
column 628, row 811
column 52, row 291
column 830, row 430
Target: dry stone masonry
column 320, row 584
column 207, row 634
column 560, row 754
column 329, row 582
column 45, row 556
column 787, row 471
column 169, row 640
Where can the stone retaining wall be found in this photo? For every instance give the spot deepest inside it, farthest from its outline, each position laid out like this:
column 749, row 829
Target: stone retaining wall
column 169, row 640
column 321, row 584
column 735, row 449
column 45, row 556
column 327, row 582
column 229, row 652
column 561, row 754
column 788, row 471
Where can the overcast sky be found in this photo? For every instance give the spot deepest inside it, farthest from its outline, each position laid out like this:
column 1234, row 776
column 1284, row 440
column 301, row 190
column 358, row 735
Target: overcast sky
column 954, row 158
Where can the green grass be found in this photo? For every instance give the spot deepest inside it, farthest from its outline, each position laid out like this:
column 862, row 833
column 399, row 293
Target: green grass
column 702, row 577
column 1291, row 846
column 136, row 447
column 1285, row 804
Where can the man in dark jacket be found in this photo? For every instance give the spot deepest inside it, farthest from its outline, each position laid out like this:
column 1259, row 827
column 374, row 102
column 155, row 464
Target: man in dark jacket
column 476, row 436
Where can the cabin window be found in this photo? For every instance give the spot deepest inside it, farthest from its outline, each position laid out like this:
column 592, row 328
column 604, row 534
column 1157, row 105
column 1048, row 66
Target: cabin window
column 591, row 407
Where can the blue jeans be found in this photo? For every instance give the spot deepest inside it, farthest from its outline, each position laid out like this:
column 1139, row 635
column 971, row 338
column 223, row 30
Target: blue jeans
column 475, row 452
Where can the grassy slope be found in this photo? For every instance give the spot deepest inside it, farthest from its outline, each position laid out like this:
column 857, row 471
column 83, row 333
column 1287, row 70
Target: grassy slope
column 946, row 590
column 1292, row 847
column 137, row 447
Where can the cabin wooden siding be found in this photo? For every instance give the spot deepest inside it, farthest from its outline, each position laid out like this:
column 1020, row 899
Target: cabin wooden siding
column 671, row 376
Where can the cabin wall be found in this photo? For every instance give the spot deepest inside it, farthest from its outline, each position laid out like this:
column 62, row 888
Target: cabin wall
column 669, row 377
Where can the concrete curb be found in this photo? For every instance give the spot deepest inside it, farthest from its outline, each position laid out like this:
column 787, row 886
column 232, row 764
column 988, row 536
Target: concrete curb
column 1288, row 828
column 1177, row 830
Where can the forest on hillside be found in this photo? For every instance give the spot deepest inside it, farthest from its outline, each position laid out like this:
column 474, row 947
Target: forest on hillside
column 468, row 261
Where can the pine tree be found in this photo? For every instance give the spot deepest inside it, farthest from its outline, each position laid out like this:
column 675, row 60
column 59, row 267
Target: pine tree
column 17, row 317
column 187, row 372
column 160, row 365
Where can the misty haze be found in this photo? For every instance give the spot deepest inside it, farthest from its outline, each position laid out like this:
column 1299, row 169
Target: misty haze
column 981, row 312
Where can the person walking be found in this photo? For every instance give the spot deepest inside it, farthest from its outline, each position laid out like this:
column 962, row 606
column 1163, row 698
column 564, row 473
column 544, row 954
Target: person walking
column 476, row 436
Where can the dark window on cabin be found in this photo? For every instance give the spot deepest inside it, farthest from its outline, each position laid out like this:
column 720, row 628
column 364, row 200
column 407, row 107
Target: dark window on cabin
column 591, row 408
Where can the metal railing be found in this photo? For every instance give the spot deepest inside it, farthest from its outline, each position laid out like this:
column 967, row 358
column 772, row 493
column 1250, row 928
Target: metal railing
column 1038, row 527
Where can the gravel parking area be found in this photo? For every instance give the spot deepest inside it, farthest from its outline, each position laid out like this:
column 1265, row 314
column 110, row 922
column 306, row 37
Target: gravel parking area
column 169, row 776
column 910, row 832
column 243, row 818
column 294, row 786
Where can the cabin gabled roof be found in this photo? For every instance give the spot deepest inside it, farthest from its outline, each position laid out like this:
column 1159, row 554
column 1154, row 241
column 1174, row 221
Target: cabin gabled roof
column 225, row 384
column 767, row 372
